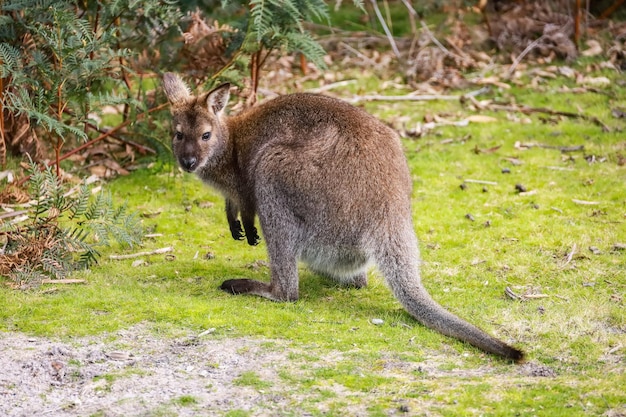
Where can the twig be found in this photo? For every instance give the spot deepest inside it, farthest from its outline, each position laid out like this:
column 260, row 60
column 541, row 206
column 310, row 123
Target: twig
column 331, row 86
column 140, row 147
column 359, row 54
column 533, row 296
column 529, row 48
column 585, row 203
column 63, row 281
column 529, row 110
column 412, row 16
column 511, row 294
column 521, row 56
column 480, row 182
column 440, row 45
column 564, row 149
column 138, row 254
column 102, row 136
column 570, row 255
column 560, row 168
column 421, row 97
column 12, row 214
column 381, row 19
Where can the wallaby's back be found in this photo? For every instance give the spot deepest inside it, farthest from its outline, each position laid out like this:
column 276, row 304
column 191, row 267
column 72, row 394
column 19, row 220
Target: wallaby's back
column 340, row 165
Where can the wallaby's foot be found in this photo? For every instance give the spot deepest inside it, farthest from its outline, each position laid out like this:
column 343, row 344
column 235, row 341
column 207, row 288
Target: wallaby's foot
column 236, row 231
column 253, row 287
column 239, row 286
column 252, row 236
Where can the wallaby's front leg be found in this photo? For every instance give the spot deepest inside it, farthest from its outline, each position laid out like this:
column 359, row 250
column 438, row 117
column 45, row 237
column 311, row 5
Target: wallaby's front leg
column 252, row 236
column 247, row 218
column 232, row 211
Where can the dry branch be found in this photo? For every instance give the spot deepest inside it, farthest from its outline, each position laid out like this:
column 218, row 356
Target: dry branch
column 529, row 110
column 63, row 281
column 421, row 97
column 381, row 19
column 138, row 254
column 471, row 181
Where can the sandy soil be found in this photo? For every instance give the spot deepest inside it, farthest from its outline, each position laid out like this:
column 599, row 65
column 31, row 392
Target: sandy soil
column 134, row 374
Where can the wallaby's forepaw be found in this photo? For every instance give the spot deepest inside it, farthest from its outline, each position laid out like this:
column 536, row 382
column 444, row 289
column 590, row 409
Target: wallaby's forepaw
column 238, row 286
column 253, row 237
column 236, row 231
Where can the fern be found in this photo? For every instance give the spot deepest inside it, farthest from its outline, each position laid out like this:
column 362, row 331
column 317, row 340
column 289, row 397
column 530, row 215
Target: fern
column 58, row 57
column 79, row 205
column 9, row 59
column 64, row 231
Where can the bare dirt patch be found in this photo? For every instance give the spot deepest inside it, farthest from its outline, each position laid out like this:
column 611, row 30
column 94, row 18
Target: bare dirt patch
column 134, row 373
column 139, row 372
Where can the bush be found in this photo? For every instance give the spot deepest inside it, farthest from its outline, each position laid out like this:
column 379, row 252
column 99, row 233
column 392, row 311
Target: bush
column 62, row 62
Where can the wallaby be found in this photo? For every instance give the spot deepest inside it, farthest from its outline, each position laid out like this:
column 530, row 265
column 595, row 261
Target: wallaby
column 330, row 185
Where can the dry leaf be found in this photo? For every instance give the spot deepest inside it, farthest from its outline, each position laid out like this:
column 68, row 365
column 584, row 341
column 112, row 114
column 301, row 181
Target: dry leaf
column 594, row 48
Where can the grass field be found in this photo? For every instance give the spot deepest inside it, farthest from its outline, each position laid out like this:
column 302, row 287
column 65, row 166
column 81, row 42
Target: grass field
column 557, row 245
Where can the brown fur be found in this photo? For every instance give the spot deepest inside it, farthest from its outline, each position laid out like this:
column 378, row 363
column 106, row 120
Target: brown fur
column 330, row 186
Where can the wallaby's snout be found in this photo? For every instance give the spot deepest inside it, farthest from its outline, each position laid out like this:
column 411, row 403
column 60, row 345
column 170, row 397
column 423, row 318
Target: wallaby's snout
column 189, row 164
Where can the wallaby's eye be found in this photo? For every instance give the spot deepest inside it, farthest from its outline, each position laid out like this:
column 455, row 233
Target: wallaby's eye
column 179, row 135
column 206, row 136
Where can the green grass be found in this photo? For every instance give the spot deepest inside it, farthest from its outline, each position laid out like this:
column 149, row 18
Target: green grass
column 186, row 401
column 338, row 360
column 251, row 379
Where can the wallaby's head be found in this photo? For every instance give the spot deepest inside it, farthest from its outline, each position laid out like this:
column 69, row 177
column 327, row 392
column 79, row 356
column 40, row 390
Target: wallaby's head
column 199, row 131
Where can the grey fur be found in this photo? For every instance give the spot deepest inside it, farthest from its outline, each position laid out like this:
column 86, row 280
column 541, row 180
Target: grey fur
column 330, row 186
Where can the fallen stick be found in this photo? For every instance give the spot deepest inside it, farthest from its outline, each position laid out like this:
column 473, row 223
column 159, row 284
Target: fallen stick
column 528, row 110
column 513, row 296
column 381, row 19
column 331, row 86
column 408, row 97
column 138, row 254
column 585, row 203
column 440, row 45
column 554, row 168
column 570, row 256
column 480, row 182
column 63, row 281
column 10, row 214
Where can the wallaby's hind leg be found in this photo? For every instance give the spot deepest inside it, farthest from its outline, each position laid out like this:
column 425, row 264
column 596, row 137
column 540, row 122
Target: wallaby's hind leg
column 357, row 281
column 283, row 285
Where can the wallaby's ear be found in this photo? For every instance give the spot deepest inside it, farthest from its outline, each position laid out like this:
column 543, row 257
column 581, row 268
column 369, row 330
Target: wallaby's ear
column 175, row 89
column 218, row 98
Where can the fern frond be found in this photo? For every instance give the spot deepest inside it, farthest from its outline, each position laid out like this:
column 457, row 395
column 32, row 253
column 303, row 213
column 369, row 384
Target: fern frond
column 9, row 59
column 87, row 259
column 303, row 43
column 56, row 265
column 79, row 205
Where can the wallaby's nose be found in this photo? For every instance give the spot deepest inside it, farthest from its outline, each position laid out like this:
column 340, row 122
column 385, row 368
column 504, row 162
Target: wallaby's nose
column 189, row 164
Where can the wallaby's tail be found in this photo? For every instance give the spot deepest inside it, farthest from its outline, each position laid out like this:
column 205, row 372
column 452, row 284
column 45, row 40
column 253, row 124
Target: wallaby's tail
column 402, row 272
